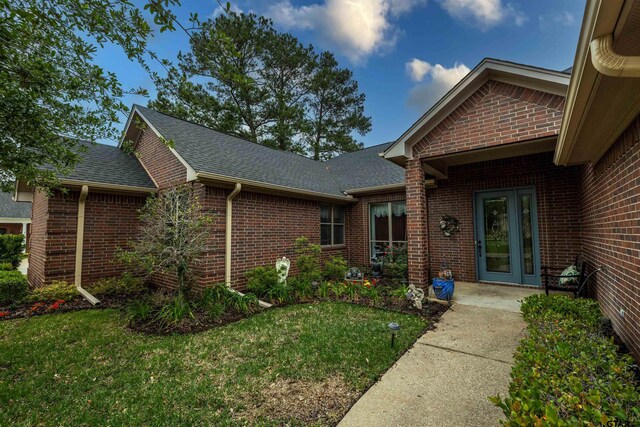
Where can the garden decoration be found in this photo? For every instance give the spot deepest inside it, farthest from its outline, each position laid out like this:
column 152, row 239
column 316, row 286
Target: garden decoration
column 282, row 266
column 415, row 295
column 354, row 275
column 443, row 288
column 394, row 328
column 449, row 225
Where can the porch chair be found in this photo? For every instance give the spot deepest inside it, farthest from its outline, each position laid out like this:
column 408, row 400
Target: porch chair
column 553, row 279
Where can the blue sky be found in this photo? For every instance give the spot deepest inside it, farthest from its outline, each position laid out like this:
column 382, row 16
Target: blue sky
column 404, row 53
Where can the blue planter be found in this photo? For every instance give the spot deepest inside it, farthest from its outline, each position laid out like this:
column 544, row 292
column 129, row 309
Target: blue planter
column 443, row 288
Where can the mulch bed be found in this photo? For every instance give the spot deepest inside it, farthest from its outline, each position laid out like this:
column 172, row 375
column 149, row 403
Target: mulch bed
column 76, row 304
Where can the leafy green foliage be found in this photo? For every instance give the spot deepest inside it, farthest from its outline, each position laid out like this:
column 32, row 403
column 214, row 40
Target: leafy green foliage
column 566, row 372
column 399, row 292
column 220, row 294
column 244, row 77
column 308, row 260
column 52, row 93
column 173, row 234
column 11, row 247
column 395, row 261
column 138, row 310
column 175, row 311
column 6, row 266
column 13, row 287
column 302, row 289
column 56, row 290
column 121, row 286
column 261, row 279
column 335, row 268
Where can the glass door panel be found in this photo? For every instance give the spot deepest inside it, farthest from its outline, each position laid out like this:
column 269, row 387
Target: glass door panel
column 496, row 231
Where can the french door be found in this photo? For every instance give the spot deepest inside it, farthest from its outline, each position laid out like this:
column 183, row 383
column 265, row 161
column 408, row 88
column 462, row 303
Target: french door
column 507, row 247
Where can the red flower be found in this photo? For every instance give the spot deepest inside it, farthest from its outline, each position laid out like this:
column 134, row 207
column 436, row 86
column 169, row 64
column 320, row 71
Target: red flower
column 4, row 313
column 36, row 307
column 56, row 305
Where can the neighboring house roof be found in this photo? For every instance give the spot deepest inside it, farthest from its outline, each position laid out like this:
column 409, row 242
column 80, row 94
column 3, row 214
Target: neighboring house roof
column 366, row 169
column 107, row 164
column 11, row 209
column 545, row 80
column 208, row 151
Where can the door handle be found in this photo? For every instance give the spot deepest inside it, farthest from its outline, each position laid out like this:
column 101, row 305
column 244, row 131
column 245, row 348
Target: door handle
column 479, row 247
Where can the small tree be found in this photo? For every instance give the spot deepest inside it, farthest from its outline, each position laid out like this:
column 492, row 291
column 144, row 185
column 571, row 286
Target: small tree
column 172, row 237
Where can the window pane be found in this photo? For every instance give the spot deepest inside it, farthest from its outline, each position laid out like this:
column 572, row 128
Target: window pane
column 398, row 222
column 379, row 221
column 338, row 234
column 325, row 213
column 325, row 234
column 496, row 231
column 338, row 214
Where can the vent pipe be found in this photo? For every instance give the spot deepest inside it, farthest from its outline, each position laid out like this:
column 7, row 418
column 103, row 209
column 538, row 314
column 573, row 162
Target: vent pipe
column 609, row 63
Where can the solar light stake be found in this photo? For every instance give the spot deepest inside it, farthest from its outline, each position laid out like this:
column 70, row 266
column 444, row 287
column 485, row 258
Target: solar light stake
column 394, row 328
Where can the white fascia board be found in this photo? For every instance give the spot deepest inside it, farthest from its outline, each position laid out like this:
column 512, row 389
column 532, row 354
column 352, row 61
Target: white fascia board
column 550, row 81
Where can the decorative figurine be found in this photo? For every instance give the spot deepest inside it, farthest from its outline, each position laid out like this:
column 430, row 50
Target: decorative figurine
column 282, row 266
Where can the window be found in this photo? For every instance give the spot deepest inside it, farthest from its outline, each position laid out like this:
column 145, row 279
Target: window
column 331, row 225
column 3, row 231
column 388, row 222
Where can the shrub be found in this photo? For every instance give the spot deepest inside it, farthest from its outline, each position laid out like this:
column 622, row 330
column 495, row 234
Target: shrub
column 323, row 290
column 56, row 290
column 220, row 294
column 372, row 293
column 6, row 266
column 400, row 292
column 335, row 268
column 122, row 286
column 301, row 289
column 308, row 260
column 566, row 371
column 395, row 263
column 13, row 287
column 11, row 247
column 262, row 279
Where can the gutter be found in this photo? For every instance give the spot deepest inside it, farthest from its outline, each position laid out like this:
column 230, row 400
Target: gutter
column 79, row 242
column 608, row 62
column 274, row 187
column 227, row 242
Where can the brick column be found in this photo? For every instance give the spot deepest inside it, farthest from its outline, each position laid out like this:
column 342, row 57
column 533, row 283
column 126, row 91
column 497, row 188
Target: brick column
column 416, row 223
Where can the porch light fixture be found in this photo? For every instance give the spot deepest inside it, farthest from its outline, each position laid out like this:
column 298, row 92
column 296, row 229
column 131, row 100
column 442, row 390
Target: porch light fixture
column 394, row 328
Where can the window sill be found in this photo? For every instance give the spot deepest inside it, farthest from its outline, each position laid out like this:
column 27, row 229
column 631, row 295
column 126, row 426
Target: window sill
column 342, row 246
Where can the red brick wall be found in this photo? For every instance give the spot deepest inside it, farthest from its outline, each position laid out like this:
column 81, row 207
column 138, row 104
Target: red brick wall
column 557, row 200
column 110, row 221
column 610, row 194
column 161, row 164
column 497, row 113
column 12, row 228
column 357, row 227
column 417, row 218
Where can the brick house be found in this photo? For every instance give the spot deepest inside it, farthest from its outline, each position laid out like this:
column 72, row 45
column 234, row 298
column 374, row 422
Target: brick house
column 15, row 217
column 536, row 165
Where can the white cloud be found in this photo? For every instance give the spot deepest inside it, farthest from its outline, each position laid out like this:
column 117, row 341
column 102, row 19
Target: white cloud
column 417, row 69
column 219, row 11
column 358, row 28
column 565, row 19
column 441, row 79
column 484, row 13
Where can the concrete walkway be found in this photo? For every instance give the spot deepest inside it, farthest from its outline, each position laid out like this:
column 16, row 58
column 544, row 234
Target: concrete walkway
column 446, row 377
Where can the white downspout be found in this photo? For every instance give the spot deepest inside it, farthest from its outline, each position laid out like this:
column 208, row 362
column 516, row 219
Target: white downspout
column 79, row 242
column 227, row 242
column 609, row 63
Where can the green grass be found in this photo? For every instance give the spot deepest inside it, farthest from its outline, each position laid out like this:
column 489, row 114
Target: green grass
column 85, row 368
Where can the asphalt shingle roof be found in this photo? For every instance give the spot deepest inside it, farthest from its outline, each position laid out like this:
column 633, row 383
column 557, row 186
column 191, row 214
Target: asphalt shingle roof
column 110, row 165
column 365, row 168
column 207, row 150
column 11, row 209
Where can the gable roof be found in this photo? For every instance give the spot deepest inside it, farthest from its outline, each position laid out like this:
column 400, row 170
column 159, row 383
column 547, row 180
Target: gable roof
column 210, row 152
column 11, row 209
column 106, row 164
column 537, row 78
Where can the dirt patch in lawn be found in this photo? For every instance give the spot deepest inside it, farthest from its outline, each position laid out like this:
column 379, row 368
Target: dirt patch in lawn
column 324, row 402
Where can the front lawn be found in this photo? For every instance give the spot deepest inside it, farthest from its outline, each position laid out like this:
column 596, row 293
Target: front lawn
column 302, row 364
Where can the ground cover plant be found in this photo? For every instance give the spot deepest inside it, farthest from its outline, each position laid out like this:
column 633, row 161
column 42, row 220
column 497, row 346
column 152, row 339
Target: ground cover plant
column 567, row 370
column 300, row 364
